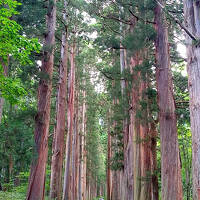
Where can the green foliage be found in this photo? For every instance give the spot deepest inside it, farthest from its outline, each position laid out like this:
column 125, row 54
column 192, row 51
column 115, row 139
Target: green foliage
column 95, row 140
column 145, row 68
column 12, row 196
column 184, row 132
column 16, row 192
column 143, row 5
column 16, row 141
column 96, row 103
column 13, row 44
column 108, row 42
column 16, row 130
column 141, row 37
column 185, row 145
column 101, row 197
column 181, row 97
column 11, row 90
column 47, row 182
column 32, row 17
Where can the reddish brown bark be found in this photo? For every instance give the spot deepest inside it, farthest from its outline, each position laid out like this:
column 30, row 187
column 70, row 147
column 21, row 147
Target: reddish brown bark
column 37, row 176
column 134, row 132
column 145, row 156
column 77, row 160
column 192, row 22
column 131, row 147
column 108, row 168
column 73, row 178
column 125, row 177
column 75, row 152
column 170, row 161
column 77, row 126
column 58, row 140
column 83, row 148
column 84, row 172
column 67, row 190
column 114, row 193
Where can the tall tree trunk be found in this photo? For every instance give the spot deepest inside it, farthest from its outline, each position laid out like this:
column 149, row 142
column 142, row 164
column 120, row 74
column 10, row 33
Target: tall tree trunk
column 122, row 52
column 58, row 140
column 77, row 157
column 192, row 21
column 170, row 164
column 108, row 167
column 115, row 181
column 77, row 142
column 83, row 148
column 67, row 193
column 80, row 161
column 75, row 150
column 114, row 193
column 153, row 133
column 36, row 188
column 124, row 174
column 73, row 182
column 146, row 189
column 134, row 133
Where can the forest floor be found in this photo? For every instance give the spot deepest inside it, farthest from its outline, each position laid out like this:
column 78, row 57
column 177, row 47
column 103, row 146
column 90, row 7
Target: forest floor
column 11, row 196
column 14, row 195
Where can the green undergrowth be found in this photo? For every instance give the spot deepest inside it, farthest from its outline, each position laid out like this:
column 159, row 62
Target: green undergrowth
column 12, row 196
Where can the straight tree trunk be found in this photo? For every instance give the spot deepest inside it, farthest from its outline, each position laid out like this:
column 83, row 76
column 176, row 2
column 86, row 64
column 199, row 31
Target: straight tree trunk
column 124, row 174
column 108, row 167
column 36, row 187
column 75, row 150
column 170, row 161
column 192, row 22
column 153, row 133
column 73, row 178
column 77, row 126
column 134, row 133
column 114, row 193
column 80, row 161
column 122, row 53
column 145, row 154
column 58, row 140
column 83, row 149
column 77, row 158
column 67, row 189
column 131, row 151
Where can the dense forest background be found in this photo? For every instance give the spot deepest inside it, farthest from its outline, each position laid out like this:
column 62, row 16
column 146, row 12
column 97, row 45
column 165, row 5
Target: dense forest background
column 98, row 99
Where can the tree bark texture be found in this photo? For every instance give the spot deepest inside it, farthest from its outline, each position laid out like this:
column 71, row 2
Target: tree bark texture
column 145, row 148
column 67, row 190
column 170, row 161
column 154, row 181
column 114, row 193
column 75, row 150
column 134, row 134
column 83, row 147
column 192, row 22
column 108, row 168
column 58, row 140
column 36, row 187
